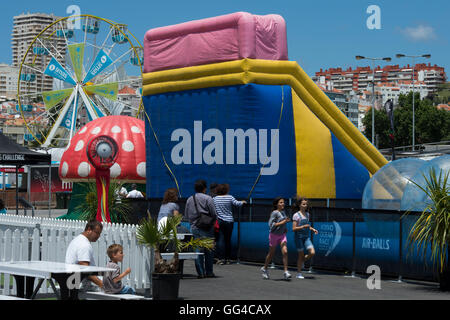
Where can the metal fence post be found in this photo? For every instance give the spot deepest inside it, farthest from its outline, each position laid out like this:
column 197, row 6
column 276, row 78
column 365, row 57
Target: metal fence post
column 239, row 236
column 400, row 253
column 353, row 245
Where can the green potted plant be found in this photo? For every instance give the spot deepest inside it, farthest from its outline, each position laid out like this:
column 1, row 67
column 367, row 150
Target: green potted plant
column 432, row 228
column 166, row 274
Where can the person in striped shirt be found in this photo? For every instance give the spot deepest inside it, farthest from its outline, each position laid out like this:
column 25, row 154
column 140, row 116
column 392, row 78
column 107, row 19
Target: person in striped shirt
column 224, row 204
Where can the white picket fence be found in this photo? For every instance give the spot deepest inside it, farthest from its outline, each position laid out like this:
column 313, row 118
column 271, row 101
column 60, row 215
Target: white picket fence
column 33, row 238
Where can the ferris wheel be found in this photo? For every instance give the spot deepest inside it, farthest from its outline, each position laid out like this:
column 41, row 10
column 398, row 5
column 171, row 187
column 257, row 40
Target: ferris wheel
column 78, row 69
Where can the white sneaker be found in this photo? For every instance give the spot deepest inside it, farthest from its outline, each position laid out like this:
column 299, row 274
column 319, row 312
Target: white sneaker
column 265, row 273
column 300, row 276
column 287, row 275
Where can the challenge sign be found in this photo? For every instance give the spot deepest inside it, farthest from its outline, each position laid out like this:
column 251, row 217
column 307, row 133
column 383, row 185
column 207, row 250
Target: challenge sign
column 13, row 157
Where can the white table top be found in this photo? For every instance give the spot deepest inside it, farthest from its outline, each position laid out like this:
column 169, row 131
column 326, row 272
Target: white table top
column 2, row 297
column 181, row 255
column 45, row 269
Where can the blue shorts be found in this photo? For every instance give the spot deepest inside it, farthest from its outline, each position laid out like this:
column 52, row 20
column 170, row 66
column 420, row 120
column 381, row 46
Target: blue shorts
column 127, row 290
column 303, row 244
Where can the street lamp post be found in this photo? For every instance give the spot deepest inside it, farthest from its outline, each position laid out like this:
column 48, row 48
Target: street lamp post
column 399, row 55
column 373, row 89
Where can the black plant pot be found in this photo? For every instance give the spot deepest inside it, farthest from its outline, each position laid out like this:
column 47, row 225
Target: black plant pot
column 444, row 280
column 165, row 286
column 444, row 276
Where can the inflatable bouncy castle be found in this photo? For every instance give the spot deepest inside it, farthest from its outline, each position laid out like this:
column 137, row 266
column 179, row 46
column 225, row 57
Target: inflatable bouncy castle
column 224, row 104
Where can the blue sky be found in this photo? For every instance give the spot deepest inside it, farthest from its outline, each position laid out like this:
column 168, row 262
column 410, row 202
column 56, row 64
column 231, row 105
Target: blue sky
column 321, row 33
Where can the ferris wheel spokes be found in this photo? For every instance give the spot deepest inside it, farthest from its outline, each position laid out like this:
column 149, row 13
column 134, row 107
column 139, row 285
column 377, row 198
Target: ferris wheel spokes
column 93, row 111
column 51, row 135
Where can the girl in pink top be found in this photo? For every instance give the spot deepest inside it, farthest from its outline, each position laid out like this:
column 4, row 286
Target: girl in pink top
column 277, row 236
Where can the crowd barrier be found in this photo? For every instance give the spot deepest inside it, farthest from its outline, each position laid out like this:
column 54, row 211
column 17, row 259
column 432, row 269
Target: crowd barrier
column 349, row 239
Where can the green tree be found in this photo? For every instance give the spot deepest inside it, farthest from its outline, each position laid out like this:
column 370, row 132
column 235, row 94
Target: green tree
column 442, row 95
column 431, row 124
column 382, row 127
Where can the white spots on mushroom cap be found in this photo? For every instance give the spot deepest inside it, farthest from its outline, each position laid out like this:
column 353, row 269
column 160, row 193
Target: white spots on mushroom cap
column 116, row 129
column 115, row 170
column 135, row 129
column 128, row 146
column 140, row 169
column 83, row 130
column 79, row 145
column 64, row 169
column 84, row 169
column 96, row 130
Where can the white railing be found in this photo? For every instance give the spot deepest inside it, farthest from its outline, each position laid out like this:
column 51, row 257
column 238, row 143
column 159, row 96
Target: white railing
column 35, row 238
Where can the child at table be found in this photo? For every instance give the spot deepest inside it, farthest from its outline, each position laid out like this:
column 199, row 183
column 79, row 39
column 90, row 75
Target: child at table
column 112, row 282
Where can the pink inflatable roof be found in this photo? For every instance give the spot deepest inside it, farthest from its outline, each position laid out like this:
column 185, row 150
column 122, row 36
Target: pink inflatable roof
column 224, row 38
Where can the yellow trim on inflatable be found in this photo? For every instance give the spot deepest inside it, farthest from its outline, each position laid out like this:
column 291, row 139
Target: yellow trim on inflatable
column 270, row 72
column 315, row 170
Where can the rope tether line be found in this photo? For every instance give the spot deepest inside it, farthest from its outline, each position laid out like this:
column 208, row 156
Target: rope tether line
column 162, row 154
column 271, row 146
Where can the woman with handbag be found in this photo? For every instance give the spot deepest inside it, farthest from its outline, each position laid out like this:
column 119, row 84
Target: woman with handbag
column 201, row 214
column 224, row 205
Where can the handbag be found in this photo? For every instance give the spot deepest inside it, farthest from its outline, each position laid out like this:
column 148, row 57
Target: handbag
column 216, row 226
column 204, row 221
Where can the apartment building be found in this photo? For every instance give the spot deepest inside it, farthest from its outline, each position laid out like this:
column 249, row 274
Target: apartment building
column 360, row 78
column 392, row 90
column 25, row 29
column 348, row 105
column 8, row 82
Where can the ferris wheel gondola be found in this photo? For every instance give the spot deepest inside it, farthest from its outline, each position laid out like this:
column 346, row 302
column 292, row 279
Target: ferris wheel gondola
column 71, row 78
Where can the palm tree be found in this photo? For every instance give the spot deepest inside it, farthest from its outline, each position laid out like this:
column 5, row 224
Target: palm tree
column 433, row 225
column 160, row 237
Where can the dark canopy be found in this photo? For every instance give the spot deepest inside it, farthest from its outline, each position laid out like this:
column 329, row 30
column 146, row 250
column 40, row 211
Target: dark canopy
column 14, row 154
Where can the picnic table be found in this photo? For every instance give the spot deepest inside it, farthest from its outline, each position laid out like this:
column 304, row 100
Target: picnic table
column 26, row 272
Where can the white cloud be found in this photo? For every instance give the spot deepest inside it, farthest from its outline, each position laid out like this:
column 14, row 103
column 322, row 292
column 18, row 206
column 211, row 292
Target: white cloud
column 419, row 33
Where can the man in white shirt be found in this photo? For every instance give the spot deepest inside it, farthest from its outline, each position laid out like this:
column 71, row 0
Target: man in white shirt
column 120, row 194
column 134, row 193
column 80, row 250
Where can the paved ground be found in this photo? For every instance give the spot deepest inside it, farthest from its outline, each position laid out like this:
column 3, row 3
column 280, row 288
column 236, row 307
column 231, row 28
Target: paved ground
column 244, row 282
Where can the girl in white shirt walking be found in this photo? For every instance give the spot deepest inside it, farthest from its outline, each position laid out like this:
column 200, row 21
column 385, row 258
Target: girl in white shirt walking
column 302, row 234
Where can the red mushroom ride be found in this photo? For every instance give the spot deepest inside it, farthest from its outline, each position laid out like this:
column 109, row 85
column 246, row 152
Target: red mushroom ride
column 108, row 147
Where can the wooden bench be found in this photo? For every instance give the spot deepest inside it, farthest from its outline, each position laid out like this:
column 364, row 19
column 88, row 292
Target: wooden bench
column 2, row 297
column 106, row 296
